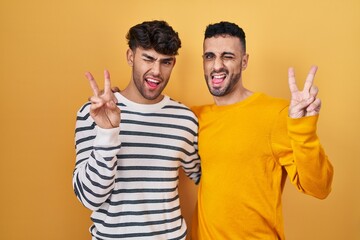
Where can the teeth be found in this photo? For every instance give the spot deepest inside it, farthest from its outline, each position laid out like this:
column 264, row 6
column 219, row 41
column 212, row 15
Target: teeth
column 218, row 76
column 152, row 80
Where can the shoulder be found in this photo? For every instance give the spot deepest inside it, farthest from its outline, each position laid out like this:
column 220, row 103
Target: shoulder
column 272, row 103
column 178, row 107
column 178, row 113
column 84, row 109
column 199, row 110
column 84, row 122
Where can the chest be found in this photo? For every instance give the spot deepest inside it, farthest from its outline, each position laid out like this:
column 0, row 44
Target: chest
column 234, row 132
column 235, row 146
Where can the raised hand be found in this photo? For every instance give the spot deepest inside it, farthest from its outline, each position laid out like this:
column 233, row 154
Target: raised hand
column 103, row 107
column 303, row 103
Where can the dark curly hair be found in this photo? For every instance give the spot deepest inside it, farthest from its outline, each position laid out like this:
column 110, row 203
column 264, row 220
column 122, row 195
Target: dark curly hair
column 226, row 28
column 157, row 35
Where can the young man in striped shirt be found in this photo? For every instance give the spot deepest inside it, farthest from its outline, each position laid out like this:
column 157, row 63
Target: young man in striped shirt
column 131, row 145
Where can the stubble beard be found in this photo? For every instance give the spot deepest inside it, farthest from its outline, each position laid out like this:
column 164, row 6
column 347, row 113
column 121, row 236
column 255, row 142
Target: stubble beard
column 140, row 84
column 223, row 91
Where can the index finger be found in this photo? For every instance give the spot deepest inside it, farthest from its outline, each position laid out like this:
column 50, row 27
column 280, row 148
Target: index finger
column 310, row 79
column 93, row 83
column 292, row 82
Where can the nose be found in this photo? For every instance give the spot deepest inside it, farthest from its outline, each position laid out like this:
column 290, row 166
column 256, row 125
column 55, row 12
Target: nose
column 218, row 64
column 156, row 68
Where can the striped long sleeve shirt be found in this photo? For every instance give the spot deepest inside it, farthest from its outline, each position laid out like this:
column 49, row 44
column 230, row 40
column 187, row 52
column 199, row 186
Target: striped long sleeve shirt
column 128, row 176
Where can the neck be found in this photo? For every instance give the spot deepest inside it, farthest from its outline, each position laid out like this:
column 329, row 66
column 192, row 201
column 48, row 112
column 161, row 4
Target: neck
column 131, row 93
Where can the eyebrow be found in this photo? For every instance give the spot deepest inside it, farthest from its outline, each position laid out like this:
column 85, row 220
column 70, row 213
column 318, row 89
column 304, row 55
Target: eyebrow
column 228, row 53
column 162, row 59
column 222, row 54
column 148, row 56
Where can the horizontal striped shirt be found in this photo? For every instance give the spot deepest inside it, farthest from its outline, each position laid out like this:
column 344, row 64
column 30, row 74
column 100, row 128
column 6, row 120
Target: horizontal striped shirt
column 128, row 176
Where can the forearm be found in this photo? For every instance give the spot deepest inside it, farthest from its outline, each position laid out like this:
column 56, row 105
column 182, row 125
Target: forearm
column 313, row 171
column 94, row 175
column 192, row 168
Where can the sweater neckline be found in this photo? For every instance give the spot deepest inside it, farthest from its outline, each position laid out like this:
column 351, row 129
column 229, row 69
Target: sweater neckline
column 242, row 103
column 142, row 107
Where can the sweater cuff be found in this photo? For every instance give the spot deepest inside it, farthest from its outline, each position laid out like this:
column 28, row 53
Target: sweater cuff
column 107, row 137
column 302, row 129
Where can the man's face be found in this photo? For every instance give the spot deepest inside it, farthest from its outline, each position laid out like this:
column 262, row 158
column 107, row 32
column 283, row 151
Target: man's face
column 150, row 73
column 223, row 62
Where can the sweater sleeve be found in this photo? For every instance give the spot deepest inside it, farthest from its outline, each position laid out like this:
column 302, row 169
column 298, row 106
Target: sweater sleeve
column 96, row 161
column 298, row 149
column 191, row 164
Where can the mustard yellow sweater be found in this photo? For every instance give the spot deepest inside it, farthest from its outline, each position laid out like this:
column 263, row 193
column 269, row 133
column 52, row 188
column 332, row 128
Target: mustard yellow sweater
column 247, row 150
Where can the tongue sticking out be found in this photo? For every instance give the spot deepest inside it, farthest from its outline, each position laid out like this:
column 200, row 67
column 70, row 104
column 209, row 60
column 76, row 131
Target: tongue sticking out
column 152, row 84
column 218, row 79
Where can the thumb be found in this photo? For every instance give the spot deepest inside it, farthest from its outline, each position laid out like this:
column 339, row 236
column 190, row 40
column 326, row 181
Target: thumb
column 111, row 104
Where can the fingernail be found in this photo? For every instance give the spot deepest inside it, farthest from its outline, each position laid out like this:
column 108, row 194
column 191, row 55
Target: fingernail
column 106, row 74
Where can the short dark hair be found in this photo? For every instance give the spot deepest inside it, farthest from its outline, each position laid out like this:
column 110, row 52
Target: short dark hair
column 157, row 35
column 226, row 28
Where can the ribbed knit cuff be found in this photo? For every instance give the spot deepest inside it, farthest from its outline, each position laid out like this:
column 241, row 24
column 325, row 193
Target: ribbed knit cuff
column 107, row 137
column 302, row 129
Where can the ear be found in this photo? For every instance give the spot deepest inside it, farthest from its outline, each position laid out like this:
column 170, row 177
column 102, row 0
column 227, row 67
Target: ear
column 130, row 57
column 244, row 61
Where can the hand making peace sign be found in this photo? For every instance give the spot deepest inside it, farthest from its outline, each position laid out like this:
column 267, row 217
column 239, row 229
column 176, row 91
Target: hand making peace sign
column 103, row 107
column 303, row 103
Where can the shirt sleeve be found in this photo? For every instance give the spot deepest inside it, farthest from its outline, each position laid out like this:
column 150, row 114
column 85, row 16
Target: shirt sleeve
column 96, row 161
column 298, row 149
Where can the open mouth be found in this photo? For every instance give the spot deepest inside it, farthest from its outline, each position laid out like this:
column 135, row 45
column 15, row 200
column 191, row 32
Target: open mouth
column 152, row 83
column 217, row 79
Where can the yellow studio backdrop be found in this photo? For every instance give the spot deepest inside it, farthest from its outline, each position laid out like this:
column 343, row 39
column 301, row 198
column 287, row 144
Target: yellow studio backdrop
column 46, row 46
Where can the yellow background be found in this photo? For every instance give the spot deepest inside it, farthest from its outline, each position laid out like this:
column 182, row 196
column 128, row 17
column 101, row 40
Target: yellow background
column 46, row 46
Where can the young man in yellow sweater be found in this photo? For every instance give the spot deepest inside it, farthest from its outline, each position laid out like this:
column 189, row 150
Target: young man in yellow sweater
column 249, row 143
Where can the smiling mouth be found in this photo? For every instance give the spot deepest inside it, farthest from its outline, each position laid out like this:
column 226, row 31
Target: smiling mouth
column 152, row 83
column 217, row 79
